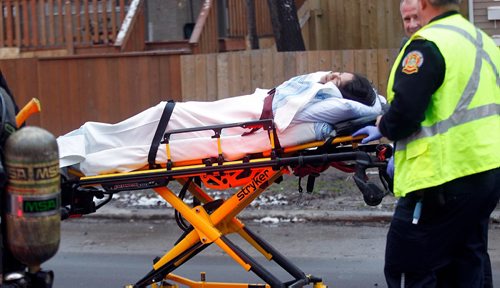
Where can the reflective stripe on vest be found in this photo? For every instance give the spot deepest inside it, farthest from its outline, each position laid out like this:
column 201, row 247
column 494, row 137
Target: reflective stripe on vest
column 461, row 114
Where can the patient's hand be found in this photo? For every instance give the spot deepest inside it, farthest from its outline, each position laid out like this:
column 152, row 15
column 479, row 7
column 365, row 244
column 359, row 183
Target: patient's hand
column 337, row 78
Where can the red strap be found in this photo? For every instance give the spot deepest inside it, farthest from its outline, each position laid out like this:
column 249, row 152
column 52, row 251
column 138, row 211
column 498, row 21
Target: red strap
column 267, row 110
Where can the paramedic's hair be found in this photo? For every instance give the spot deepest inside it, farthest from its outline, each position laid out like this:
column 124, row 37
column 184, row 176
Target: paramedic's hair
column 406, row 2
column 444, row 2
column 438, row 2
column 359, row 89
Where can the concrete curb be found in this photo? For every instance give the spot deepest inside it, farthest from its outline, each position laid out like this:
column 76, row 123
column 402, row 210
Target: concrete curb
column 260, row 215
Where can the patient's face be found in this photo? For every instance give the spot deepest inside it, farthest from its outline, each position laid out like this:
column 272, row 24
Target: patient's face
column 337, row 78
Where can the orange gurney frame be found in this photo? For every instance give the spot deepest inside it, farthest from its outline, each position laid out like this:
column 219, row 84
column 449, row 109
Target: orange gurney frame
column 210, row 220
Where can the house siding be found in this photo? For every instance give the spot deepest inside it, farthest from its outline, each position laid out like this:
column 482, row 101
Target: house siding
column 480, row 10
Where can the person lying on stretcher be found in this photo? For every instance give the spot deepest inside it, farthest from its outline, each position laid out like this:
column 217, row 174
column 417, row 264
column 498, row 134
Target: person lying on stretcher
column 303, row 109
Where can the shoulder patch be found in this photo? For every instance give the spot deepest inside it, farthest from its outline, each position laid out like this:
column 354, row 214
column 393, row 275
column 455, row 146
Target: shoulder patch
column 412, row 62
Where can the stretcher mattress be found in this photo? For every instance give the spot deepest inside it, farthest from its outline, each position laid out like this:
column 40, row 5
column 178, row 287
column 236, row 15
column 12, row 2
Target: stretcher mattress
column 99, row 148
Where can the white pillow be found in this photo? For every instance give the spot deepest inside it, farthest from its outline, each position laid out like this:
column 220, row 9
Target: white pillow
column 333, row 110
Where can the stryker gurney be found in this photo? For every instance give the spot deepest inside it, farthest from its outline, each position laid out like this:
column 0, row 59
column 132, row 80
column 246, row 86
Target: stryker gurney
column 210, row 220
column 302, row 109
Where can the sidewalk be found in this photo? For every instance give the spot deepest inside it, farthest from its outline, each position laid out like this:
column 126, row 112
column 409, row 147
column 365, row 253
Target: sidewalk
column 111, row 212
column 335, row 198
column 273, row 215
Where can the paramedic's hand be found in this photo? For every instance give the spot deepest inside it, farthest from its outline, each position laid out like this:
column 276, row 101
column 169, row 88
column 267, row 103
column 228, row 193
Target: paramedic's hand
column 372, row 132
column 390, row 167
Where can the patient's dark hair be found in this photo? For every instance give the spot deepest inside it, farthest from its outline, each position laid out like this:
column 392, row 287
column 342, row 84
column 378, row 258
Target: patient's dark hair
column 359, row 89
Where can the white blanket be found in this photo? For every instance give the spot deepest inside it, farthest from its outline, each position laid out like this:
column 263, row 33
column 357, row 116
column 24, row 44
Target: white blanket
column 99, row 148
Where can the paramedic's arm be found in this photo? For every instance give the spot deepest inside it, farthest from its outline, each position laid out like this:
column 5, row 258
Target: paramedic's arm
column 413, row 91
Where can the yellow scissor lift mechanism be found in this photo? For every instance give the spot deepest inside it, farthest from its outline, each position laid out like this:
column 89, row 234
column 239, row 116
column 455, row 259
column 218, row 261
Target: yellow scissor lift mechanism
column 212, row 220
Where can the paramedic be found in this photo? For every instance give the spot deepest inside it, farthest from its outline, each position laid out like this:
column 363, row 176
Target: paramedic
column 445, row 102
column 411, row 21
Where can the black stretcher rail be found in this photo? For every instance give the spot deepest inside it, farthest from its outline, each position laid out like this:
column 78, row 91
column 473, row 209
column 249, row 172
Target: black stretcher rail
column 159, row 174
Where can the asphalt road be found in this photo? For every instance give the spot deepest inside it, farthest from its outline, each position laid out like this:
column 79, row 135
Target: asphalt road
column 111, row 253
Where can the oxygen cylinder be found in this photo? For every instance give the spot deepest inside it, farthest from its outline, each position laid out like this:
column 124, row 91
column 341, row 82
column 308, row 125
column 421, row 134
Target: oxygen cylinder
column 33, row 218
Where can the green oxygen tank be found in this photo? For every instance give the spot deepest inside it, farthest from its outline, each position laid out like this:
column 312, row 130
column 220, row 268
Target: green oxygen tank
column 33, row 217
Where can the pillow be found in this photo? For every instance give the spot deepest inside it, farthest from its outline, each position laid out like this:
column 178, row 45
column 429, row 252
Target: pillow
column 333, row 110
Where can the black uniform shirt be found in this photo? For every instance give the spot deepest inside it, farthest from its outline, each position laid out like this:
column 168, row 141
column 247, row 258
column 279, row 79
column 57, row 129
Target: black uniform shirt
column 414, row 84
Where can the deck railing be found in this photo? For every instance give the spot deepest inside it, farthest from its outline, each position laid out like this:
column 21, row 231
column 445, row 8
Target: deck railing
column 49, row 24
column 80, row 25
column 204, row 38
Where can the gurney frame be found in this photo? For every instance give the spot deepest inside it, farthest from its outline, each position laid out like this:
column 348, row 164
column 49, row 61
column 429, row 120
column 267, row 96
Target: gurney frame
column 210, row 220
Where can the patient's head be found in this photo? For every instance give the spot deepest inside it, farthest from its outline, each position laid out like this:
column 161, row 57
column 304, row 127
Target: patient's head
column 353, row 86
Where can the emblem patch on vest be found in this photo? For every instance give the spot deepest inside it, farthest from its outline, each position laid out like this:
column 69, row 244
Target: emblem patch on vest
column 412, row 62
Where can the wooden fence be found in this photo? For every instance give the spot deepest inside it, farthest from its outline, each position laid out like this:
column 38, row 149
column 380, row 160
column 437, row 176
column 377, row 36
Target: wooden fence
column 215, row 76
column 110, row 88
column 354, row 24
column 107, row 88
column 332, row 24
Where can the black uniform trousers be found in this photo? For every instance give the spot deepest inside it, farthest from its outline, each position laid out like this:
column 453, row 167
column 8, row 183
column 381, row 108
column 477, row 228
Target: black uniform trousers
column 448, row 246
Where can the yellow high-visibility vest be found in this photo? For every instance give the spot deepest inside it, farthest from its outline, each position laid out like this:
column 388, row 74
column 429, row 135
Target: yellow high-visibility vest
column 460, row 135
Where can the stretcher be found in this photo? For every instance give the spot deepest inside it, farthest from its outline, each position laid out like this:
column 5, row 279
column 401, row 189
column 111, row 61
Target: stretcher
column 209, row 220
